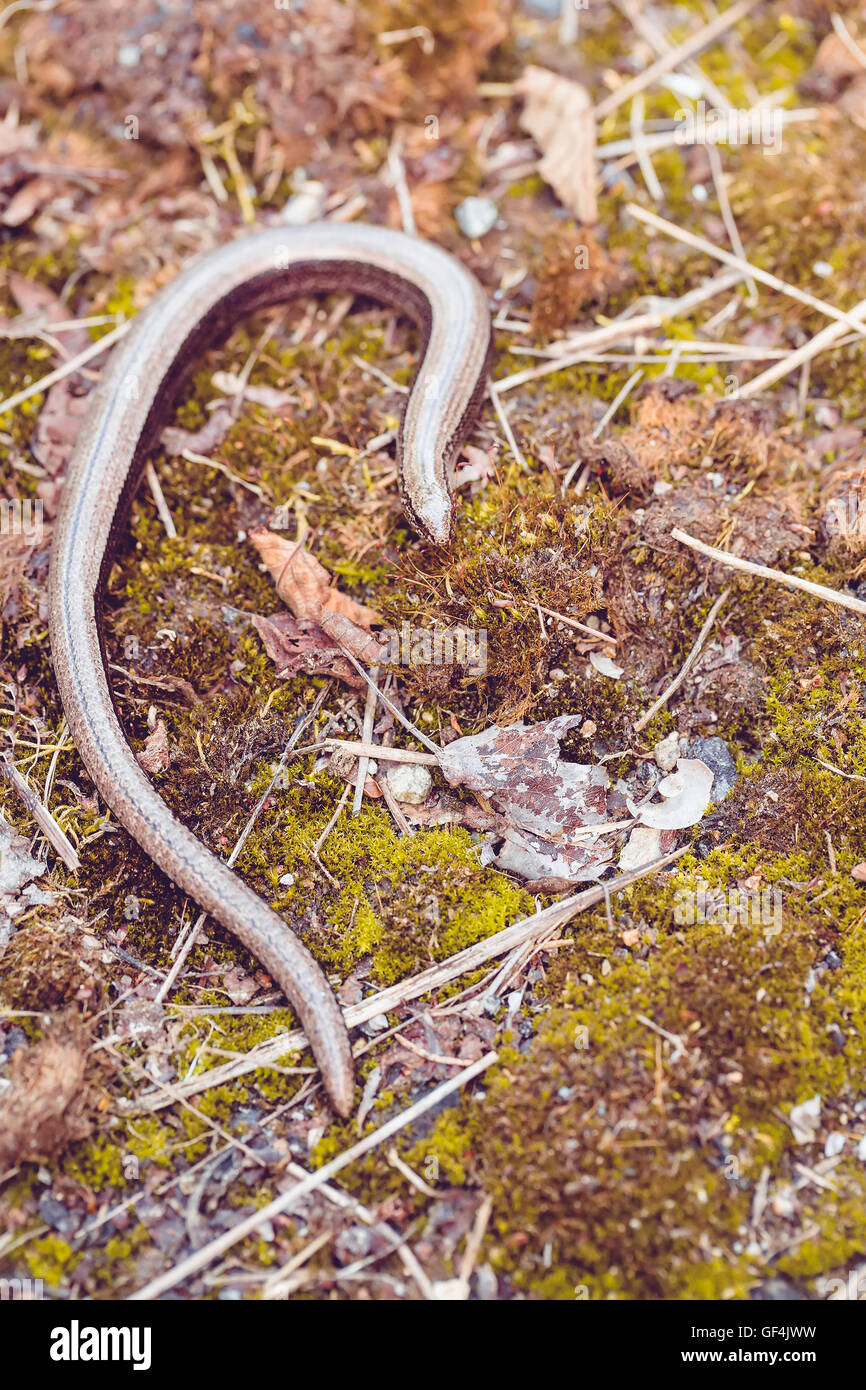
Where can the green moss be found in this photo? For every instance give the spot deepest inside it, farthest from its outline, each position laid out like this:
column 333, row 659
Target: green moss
column 97, row 1163
column 50, row 1258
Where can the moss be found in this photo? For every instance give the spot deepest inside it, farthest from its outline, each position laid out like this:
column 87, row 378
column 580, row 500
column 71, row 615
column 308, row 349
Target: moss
column 51, row 1258
column 98, row 1163
column 569, row 1136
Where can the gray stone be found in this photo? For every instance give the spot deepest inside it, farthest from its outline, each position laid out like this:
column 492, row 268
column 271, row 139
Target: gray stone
column 718, row 758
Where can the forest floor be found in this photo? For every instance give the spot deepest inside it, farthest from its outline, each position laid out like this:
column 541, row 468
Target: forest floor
column 677, row 1105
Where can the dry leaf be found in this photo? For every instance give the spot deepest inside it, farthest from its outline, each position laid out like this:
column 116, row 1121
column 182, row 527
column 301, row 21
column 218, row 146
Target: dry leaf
column 298, row 646
column 57, row 428
column 540, row 860
column 203, row 441
column 304, row 584
column 239, row 986
column 29, row 200
column 18, row 869
column 539, row 798
column 153, row 757
column 520, row 769
column 558, row 115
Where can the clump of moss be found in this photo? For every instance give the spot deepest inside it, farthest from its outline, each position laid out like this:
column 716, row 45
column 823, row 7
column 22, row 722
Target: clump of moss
column 693, row 1053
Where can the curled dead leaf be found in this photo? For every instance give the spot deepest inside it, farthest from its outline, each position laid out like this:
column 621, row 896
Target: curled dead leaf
column 304, row 584
column 558, row 115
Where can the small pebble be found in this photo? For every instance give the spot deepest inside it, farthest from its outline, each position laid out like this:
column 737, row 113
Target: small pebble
column 667, row 750
column 823, row 269
column 834, row 1144
column 305, row 206
column 719, row 759
column 486, row 1283
column 129, row 55
column 375, row 1025
column 476, row 216
column 287, row 880
column 409, row 782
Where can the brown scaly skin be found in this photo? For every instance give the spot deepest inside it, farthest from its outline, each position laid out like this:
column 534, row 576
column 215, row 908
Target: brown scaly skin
column 134, row 396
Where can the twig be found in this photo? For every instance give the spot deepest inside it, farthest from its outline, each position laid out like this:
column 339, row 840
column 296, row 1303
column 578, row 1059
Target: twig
column 287, row 1200
column 473, row 1244
column 158, row 496
column 748, row 567
column 652, row 34
column 370, row 369
column 493, row 392
column 831, row 853
column 347, row 1202
column 615, row 405
column 847, row 38
column 852, row 776
column 638, row 135
column 499, row 944
column 389, row 704
column 279, row 1284
column 439, row 1059
column 687, row 664
column 731, row 228
column 573, row 350
column 192, row 457
column 397, row 172
column 749, row 270
column 561, row 618
column 568, row 22
column 621, row 154
column 367, row 737
column 675, row 57
column 394, row 807
column 56, row 837
column 409, row 1174
column 317, row 848
column 36, row 388
column 824, row 339
column 594, row 338
column 373, row 750
column 18, row 5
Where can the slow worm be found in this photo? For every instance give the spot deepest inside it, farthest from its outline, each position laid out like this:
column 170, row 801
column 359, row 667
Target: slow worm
column 130, row 404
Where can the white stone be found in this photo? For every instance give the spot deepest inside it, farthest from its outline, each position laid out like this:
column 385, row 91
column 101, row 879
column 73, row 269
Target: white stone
column 409, row 782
